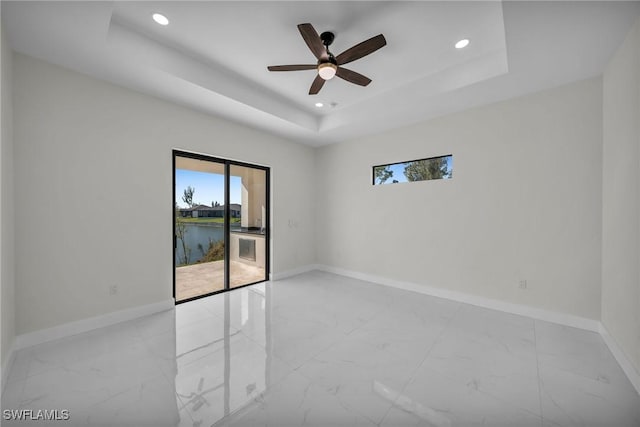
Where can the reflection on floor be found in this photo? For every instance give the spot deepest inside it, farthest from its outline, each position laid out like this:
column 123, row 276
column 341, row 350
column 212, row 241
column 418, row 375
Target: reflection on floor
column 201, row 279
column 325, row 350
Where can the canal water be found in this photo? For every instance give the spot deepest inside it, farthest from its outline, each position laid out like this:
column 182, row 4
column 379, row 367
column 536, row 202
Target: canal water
column 198, row 234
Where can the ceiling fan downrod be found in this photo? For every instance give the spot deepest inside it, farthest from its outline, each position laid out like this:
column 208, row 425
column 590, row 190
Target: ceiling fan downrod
column 327, row 38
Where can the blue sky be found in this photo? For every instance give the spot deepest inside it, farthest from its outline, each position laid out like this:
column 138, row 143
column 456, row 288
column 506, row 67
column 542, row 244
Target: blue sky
column 398, row 173
column 209, row 187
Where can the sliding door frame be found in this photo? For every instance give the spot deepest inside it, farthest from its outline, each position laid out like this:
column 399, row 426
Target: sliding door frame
column 227, row 223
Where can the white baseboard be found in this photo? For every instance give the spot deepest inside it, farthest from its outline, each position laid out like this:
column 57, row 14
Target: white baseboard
column 294, row 272
column 84, row 325
column 523, row 310
column 623, row 361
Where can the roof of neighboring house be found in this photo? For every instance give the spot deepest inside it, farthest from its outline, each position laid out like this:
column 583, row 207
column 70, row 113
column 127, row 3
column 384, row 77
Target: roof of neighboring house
column 232, row 206
column 203, row 208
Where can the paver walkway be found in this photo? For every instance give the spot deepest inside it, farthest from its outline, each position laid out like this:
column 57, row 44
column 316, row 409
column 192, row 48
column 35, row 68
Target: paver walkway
column 200, row 279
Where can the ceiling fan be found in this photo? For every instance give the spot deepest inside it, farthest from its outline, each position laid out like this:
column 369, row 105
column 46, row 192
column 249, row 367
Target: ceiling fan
column 328, row 65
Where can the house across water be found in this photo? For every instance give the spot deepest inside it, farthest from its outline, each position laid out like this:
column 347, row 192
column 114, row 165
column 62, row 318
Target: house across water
column 203, row 211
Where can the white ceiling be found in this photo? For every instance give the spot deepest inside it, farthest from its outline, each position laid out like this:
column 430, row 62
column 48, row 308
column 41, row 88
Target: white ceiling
column 213, row 56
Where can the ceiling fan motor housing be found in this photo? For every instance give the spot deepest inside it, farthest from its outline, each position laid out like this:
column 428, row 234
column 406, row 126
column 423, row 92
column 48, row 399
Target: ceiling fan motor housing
column 327, row 38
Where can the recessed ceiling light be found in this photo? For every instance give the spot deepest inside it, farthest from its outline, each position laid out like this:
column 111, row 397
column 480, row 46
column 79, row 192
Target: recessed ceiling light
column 319, row 104
column 160, row 19
column 462, row 43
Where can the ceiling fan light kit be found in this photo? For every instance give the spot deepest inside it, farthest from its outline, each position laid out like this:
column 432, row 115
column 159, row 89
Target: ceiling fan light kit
column 328, row 65
column 327, row 70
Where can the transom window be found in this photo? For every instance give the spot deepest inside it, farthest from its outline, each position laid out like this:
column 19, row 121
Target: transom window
column 415, row 170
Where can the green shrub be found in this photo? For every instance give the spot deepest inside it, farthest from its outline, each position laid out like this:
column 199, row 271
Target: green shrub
column 215, row 251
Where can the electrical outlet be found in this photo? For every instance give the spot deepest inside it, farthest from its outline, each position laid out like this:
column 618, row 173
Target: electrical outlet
column 113, row 289
column 522, row 284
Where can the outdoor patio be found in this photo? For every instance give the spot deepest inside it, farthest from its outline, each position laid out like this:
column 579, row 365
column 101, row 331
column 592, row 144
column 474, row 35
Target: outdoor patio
column 204, row 278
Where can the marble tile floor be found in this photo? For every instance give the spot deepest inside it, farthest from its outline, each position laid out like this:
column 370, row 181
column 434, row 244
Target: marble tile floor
column 324, row 350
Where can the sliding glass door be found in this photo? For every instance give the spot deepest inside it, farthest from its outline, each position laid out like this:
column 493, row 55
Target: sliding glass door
column 247, row 239
column 220, row 224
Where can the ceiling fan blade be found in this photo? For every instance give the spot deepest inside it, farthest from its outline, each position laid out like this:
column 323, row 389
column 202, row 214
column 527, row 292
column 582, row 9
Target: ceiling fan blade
column 291, row 67
column 361, row 49
column 316, row 85
column 352, row 76
column 311, row 37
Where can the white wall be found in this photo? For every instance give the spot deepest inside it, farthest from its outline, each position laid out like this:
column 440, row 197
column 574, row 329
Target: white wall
column 524, row 203
column 621, row 198
column 7, row 288
column 93, row 192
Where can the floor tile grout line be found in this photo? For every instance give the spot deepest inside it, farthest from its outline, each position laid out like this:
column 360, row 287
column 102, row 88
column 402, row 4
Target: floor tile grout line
column 366, row 322
column 22, row 384
column 404, row 387
column 65, row 364
column 535, row 342
column 345, row 336
column 296, row 369
column 481, row 389
column 26, row 371
column 183, row 407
